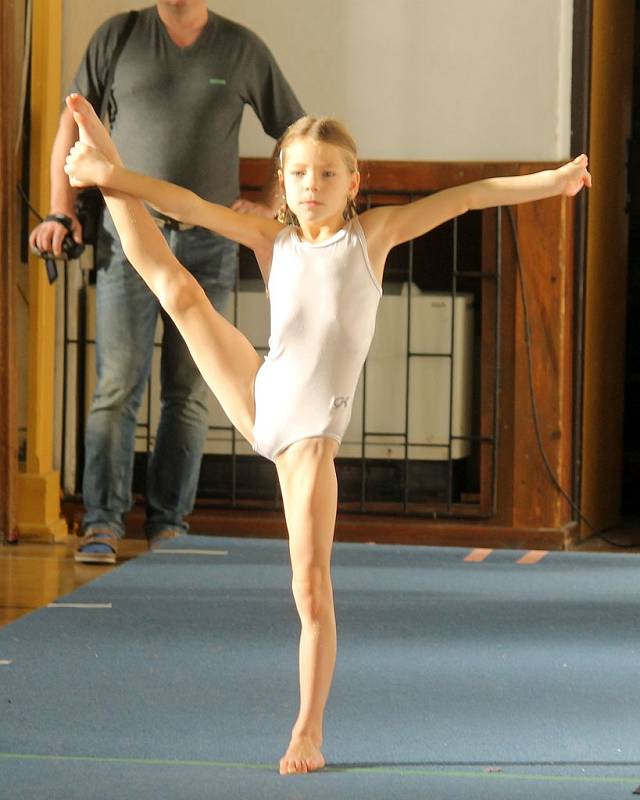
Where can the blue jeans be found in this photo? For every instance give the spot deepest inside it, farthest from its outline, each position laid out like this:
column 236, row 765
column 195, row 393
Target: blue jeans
column 126, row 315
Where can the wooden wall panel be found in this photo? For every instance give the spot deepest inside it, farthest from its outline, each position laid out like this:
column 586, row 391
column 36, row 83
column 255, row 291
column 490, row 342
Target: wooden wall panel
column 547, row 272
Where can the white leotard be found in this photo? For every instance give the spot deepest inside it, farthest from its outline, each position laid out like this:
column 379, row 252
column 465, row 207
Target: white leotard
column 324, row 298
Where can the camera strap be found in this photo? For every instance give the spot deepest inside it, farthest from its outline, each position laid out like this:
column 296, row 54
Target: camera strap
column 120, row 43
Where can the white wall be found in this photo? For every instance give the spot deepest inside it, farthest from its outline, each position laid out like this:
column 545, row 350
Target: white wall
column 485, row 80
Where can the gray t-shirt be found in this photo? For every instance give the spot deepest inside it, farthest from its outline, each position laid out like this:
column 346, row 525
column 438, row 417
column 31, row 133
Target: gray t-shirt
column 178, row 110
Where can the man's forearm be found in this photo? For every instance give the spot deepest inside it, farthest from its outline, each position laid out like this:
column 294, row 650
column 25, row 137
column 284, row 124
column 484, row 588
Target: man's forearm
column 62, row 194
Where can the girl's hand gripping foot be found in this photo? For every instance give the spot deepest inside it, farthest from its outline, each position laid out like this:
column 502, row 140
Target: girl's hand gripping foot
column 86, row 166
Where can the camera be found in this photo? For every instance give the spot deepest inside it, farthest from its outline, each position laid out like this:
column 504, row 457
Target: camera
column 70, row 248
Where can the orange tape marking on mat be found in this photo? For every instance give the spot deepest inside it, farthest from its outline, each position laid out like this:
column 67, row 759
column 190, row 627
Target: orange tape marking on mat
column 532, row 557
column 479, row 554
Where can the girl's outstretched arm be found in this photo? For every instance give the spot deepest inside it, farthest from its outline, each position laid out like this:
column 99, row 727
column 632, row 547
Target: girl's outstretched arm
column 388, row 226
column 101, row 166
column 86, row 166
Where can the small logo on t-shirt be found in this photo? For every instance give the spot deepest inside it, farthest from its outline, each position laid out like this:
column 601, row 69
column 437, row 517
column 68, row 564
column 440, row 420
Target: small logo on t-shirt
column 218, row 81
column 340, row 402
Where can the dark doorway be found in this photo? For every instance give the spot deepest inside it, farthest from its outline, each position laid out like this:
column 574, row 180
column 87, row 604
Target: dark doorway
column 631, row 446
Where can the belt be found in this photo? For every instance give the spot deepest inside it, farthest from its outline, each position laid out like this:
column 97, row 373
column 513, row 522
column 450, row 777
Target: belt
column 172, row 224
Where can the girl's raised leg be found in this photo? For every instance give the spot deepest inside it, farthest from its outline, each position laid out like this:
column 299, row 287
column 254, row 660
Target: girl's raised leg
column 309, row 490
column 227, row 360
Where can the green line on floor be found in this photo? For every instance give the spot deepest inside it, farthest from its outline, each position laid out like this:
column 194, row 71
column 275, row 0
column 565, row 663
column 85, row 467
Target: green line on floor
column 400, row 771
column 171, row 762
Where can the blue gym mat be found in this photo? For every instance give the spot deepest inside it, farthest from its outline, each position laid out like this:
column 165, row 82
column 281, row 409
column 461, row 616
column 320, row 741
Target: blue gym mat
column 175, row 676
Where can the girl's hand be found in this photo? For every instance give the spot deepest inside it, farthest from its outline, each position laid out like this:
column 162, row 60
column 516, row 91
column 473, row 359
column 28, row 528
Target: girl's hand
column 574, row 176
column 86, row 166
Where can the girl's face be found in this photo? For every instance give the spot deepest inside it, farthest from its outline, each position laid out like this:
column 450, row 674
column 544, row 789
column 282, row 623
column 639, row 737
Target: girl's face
column 317, row 182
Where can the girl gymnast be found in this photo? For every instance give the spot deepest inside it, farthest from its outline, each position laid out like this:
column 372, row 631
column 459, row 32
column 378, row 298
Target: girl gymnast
column 322, row 264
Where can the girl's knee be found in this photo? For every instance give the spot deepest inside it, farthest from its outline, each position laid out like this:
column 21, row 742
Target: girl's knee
column 313, row 594
column 319, row 448
column 178, row 293
column 315, row 449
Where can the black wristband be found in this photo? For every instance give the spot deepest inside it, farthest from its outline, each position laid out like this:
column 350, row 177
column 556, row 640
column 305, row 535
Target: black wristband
column 63, row 219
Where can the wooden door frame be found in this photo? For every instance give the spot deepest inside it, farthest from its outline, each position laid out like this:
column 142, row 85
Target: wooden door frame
column 580, row 117
column 610, row 104
column 8, row 261
column 38, row 487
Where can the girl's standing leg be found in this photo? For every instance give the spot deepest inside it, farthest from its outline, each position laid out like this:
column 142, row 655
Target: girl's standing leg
column 309, row 490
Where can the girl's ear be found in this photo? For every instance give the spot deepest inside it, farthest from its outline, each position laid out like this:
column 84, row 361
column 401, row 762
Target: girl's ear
column 281, row 180
column 354, row 185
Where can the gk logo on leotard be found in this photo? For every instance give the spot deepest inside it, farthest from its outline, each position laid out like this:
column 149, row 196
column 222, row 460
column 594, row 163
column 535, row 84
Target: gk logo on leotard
column 340, row 402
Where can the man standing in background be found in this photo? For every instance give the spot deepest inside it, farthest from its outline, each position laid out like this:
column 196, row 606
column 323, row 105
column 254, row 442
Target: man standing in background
column 185, row 73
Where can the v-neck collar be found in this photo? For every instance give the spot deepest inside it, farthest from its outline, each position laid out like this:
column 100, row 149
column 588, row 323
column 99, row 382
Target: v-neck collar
column 209, row 26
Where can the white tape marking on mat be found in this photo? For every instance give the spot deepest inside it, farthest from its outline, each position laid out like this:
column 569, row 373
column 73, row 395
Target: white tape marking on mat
column 176, row 551
column 5, row 663
column 79, row 605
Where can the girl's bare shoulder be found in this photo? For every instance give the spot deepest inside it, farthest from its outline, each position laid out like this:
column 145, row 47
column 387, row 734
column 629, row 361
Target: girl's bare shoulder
column 373, row 218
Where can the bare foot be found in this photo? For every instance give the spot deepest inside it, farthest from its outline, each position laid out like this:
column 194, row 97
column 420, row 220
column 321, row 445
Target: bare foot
column 91, row 130
column 302, row 756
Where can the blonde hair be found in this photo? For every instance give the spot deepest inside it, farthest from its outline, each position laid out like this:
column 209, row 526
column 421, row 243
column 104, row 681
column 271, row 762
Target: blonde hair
column 328, row 131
